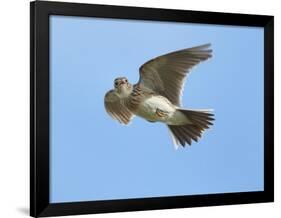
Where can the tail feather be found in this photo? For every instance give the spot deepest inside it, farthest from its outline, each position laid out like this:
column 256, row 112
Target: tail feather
column 200, row 121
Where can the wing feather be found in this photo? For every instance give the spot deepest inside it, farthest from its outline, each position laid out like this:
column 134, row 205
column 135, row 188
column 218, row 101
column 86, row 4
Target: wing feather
column 166, row 74
column 116, row 108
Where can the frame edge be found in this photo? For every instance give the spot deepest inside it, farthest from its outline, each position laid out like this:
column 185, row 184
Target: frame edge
column 39, row 108
column 32, row 199
column 269, row 109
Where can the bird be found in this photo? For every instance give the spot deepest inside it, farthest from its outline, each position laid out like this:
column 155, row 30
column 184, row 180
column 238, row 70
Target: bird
column 157, row 95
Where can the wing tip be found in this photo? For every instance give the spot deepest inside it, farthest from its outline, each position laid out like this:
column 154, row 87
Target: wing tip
column 202, row 47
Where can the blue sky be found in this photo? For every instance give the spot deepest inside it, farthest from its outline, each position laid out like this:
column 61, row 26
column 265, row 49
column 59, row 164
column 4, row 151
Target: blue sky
column 95, row 158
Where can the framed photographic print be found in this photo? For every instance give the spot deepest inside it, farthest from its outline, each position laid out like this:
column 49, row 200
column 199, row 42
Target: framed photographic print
column 144, row 108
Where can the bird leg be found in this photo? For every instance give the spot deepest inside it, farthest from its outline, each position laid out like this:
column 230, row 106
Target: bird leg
column 161, row 113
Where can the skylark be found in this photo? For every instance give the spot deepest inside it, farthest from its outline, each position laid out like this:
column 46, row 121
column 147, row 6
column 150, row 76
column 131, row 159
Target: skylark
column 157, row 95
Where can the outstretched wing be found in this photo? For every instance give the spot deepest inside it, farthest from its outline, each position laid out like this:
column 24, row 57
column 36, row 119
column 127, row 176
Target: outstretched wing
column 116, row 108
column 165, row 74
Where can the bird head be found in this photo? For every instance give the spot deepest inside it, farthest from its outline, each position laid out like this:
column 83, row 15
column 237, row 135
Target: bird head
column 122, row 86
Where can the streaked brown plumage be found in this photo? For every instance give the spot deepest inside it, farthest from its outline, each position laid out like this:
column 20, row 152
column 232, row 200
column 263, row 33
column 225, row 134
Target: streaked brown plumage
column 157, row 95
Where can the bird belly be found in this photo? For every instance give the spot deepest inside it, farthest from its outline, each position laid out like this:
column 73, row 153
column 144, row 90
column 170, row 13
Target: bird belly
column 156, row 108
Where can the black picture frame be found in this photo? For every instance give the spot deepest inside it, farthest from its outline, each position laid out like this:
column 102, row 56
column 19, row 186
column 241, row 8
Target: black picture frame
column 39, row 108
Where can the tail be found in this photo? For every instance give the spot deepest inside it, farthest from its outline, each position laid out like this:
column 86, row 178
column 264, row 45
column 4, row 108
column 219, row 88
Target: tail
column 200, row 121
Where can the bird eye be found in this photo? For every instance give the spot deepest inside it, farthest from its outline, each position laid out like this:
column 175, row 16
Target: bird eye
column 116, row 83
column 126, row 80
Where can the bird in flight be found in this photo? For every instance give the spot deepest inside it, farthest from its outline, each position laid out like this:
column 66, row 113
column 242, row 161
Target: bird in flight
column 156, row 97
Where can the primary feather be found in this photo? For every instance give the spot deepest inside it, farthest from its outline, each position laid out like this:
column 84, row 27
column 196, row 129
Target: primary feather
column 165, row 74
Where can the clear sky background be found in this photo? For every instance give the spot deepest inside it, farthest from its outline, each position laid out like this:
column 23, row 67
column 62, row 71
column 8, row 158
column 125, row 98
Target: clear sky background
column 95, row 158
